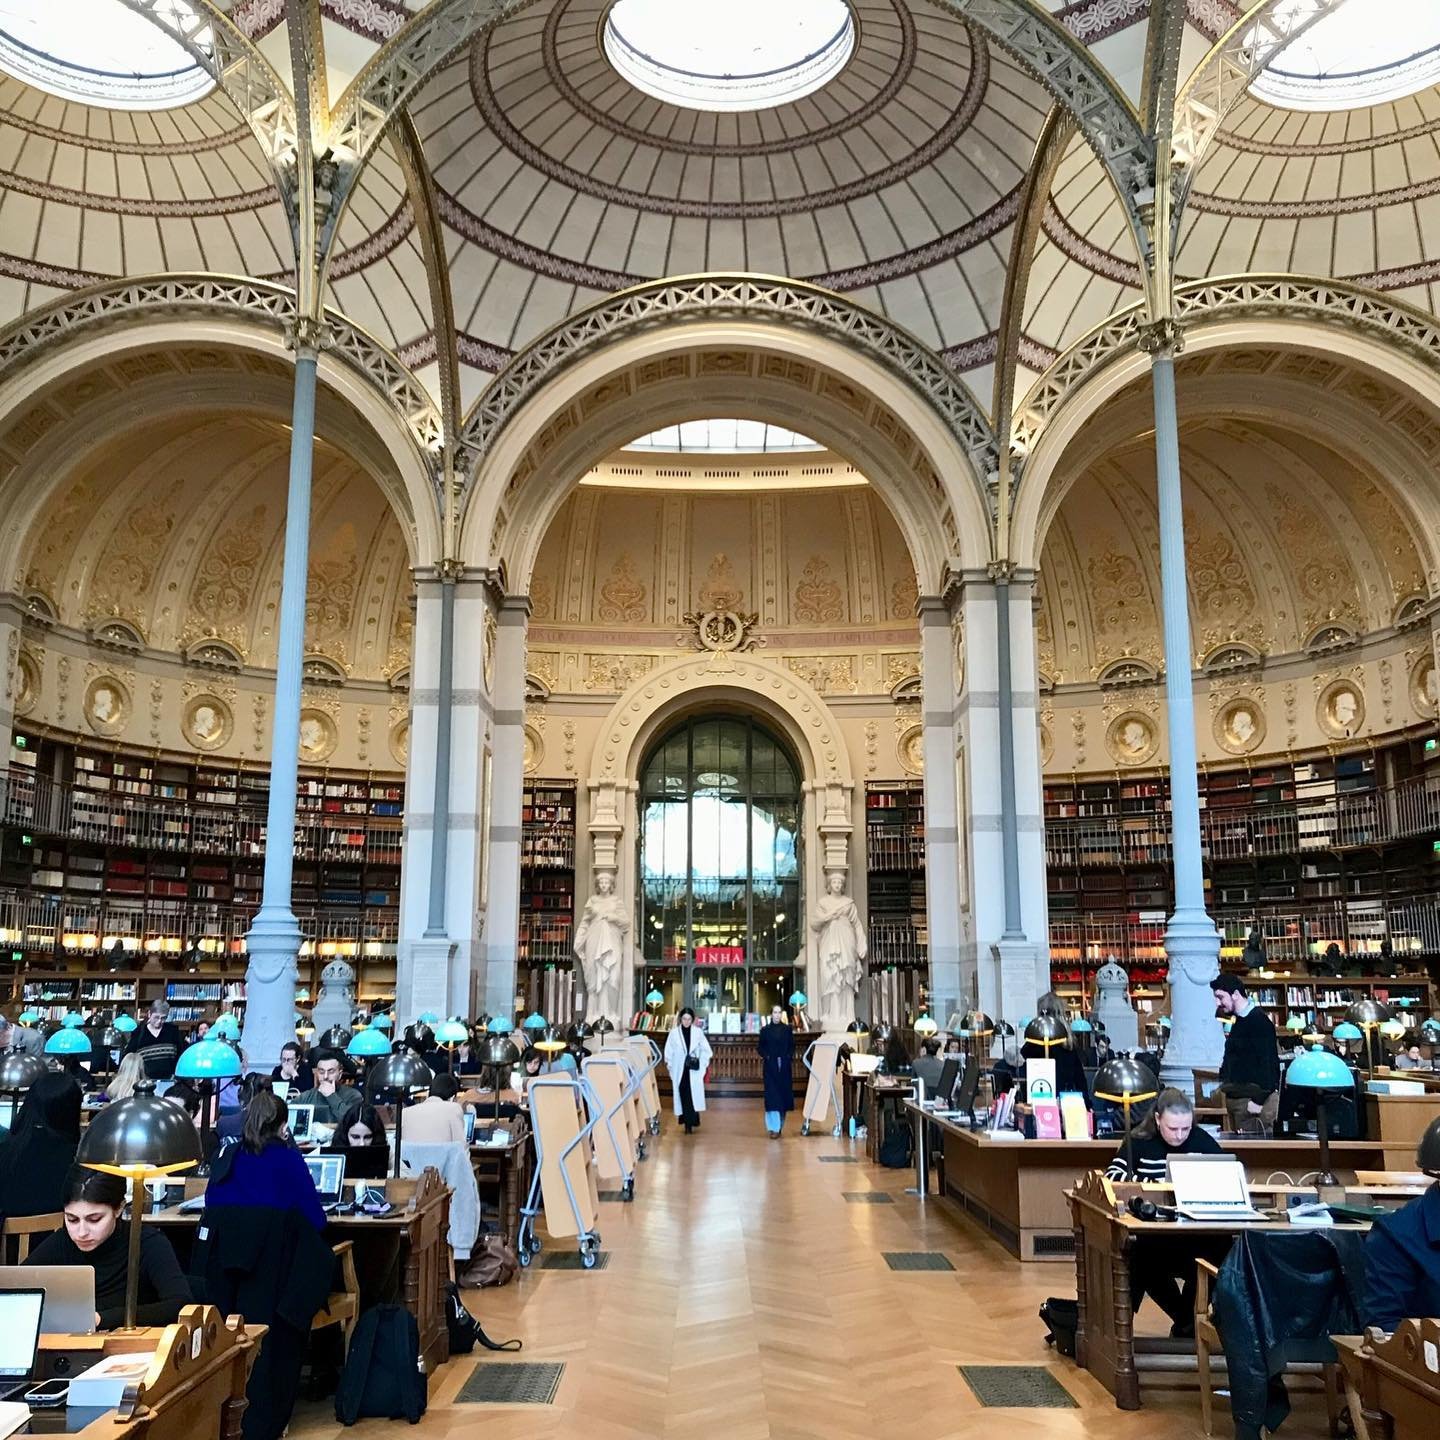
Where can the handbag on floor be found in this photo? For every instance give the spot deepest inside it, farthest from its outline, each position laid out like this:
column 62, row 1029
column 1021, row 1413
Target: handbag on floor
column 465, row 1329
column 492, row 1262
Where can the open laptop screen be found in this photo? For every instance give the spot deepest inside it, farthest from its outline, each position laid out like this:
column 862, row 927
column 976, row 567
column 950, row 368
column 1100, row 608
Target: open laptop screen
column 19, row 1332
column 301, row 1118
column 328, row 1173
column 1207, row 1182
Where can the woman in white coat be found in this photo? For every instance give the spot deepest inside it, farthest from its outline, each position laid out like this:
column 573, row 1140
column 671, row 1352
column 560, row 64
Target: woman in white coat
column 687, row 1058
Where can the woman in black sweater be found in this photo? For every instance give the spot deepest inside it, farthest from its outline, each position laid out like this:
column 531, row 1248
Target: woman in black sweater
column 93, row 1236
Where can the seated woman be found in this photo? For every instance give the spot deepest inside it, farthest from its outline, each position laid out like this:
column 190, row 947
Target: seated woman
column 264, row 1169
column 362, row 1143
column 126, row 1078
column 895, row 1059
column 37, row 1156
column 1163, row 1267
column 93, row 1236
column 437, row 1118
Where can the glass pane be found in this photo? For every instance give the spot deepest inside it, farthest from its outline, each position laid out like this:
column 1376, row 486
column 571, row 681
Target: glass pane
column 772, row 986
column 707, row 989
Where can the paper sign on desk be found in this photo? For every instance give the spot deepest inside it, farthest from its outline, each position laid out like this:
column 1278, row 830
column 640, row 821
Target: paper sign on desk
column 13, row 1414
column 1039, row 1080
column 1047, row 1120
column 1075, row 1117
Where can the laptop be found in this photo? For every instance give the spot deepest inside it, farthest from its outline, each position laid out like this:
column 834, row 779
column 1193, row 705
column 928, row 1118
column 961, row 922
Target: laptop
column 302, row 1117
column 7, row 1114
column 469, row 1127
column 20, row 1312
column 69, row 1295
column 1211, row 1188
column 281, row 1088
column 328, row 1173
column 964, row 1100
column 945, row 1085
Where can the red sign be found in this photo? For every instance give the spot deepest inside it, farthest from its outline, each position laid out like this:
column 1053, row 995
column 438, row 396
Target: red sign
column 719, row 954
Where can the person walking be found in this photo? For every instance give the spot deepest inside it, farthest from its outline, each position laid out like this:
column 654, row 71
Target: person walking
column 777, row 1057
column 1250, row 1069
column 687, row 1058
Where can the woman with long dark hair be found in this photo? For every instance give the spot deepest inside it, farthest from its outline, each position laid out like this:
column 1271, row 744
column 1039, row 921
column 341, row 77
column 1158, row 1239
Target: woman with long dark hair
column 687, row 1058
column 40, row 1150
column 264, row 1168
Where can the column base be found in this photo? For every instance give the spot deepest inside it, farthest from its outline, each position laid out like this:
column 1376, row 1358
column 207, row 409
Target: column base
column 431, row 980
column 1192, row 944
column 273, row 945
column 1016, row 965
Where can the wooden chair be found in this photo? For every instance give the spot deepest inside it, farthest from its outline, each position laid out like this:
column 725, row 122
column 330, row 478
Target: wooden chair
column 343, row 1306
column 1207, row 1341
column 26, row 1229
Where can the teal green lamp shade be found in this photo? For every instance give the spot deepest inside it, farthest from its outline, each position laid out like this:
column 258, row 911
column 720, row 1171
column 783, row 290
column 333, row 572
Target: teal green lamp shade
column 451, row 1032
column 428, row 1018
column 1319, row 1069
column 799, row 997
column 383, row 1022
column 1164, row 1022
column 1346, row 1031
column 1081, row 1026
column 29, row 1017
column 126, row 1024
column 654, row 997
column 72, row 1020
column 535, row 1021
column 1430, row 1031
column 1295, row 1024
column 500, row 1025
column 68, row 1042
column 367, row 1043
column 226, row 1027
column 208, row 1060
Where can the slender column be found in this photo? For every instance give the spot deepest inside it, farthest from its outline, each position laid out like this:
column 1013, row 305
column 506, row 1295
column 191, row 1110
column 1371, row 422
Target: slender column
column 1009, row 830
column 1191, row 940
column 439, row 858
column 274, row 939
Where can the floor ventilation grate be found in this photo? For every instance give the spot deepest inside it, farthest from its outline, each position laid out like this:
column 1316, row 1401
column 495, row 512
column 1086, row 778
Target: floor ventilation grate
column 570, row 1260
column 917, row 1260
column 869, row 1197
column 494, row 1383
column 1029, row 1387
column 837, row 1159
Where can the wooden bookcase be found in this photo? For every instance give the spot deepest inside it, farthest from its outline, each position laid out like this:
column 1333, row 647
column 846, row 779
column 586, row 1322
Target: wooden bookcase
column 124, row 876
column 545, row 959
column 898, row 930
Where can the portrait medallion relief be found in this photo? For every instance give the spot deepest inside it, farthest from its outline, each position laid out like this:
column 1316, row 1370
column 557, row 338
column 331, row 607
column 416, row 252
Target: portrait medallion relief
column 1240, row 727
column 27, row 683
column 1131, row 738
column 318, row 737
column 1424, row 687
column 1340, row 710
column 534, row 749
column 400, row 743
column 207, row 723
column 910, row 749
column 107, row 705
column 1047, row 745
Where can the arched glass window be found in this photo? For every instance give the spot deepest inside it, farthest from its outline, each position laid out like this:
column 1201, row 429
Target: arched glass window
column 720, row 816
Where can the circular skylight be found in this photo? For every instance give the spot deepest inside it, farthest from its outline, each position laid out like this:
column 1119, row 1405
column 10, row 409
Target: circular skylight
column 723, row 437
column 1364, row 52
column 740, row 55
column 100, row 53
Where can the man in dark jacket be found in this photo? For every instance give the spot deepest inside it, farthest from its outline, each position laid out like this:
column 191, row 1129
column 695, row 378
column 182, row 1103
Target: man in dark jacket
column 1250, row 1071
column 1402, row 1255
column 777, row 1051
column 157, row 1042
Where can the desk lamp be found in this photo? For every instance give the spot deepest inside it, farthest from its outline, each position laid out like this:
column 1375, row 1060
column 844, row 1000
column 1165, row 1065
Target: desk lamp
column 1328, row 1077
column 382, row 1021
column 1369, row 1015
column 500, row 1025
column 398, row 1075
column 135, row 1138
column 29, row 1017
column 974, row 1024
column 226, row 1027
column 1080, row 1031
column 533, row 1024
column 1046, row 1033
column 499, row 1052
column 428, row 1018
column 1347, row 1033
column 72, row 1020
column 17, row 1074
column 1124, row 1081
column 337, row 1037
column 450, row 1034
column 368, row 1045
column 925, row 1026
column 601, row 1027
column 550, row 1044
column 861, row 1031
column 1393, row 1029
column 207, row 1061
column 68, row 1043
column 654, row 1000
column 1430, row 1031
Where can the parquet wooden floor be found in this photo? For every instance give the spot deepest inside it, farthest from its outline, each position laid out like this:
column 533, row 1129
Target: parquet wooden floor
column 746, row 1299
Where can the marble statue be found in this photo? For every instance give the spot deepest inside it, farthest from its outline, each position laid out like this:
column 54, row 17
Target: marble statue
column 336, row 1005
column 600, row 943
column 840, row 949
column 1113, row 1009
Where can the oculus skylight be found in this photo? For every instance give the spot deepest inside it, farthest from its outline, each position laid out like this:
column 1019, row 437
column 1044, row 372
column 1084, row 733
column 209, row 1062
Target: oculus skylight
column 723, row 437
column 100, row 53
column 1364, row 52
column 739, row 55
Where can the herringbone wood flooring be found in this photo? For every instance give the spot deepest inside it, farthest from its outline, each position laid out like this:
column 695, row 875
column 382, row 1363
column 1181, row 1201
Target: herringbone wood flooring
column 745, row 1299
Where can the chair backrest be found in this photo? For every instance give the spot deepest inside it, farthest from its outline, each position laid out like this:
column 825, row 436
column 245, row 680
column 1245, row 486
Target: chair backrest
column 25, row 1228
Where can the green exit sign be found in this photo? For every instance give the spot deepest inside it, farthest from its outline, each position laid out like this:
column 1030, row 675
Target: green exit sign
column 21, row 742
column 1432, row 745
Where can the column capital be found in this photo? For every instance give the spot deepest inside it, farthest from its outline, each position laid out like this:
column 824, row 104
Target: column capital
column 1161, row 337
column 307, row 335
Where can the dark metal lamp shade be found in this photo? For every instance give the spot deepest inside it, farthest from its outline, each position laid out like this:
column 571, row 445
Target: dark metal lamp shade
column 20, row 1072
column 1046, row 1033
column 401, row 1073
column 337, row 1037
column 1125, row 1081
column 140, row 1136
column 500, row 1051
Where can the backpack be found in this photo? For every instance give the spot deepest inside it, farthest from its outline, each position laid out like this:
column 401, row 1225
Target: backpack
column 1063, row 1319
column 383, row 1377
column 897, row 1149
column 464, row 1328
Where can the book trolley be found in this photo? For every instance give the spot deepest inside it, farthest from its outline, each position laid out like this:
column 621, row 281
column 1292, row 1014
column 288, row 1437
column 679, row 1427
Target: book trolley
column 822, row 1060
column 617, row 1146
column 564, row 1110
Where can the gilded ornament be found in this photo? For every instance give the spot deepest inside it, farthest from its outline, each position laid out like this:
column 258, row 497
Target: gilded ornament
column 318, row 736
column 721, row 590
column 622, row 596
column 1047, row 746
column 1240, row 726
column 910, row 749
column 904, row 597
column 1131, row 738
column 1340, row 709
column 818, row 600
column 26, row 681
column 1425, row 687
column 534, row 749
column 107, row 705
column 400, row 743
column 207, row 722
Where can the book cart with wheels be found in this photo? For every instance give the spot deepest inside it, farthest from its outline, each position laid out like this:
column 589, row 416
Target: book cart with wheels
column 822, row 1060
column 645, row 1058
column 615, row 1142
column 564, row 1110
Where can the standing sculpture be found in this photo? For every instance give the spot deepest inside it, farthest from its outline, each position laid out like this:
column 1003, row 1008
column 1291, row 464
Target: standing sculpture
column 600, row 944
column 840, row 949
column 335, row 1004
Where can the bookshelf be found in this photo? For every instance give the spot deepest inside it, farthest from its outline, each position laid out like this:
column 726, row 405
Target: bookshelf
column 125, row 875
column 545, row 958
column 898, row 934
column 1314, row 849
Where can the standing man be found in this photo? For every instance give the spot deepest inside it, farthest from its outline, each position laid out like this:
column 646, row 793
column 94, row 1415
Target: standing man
column 157, row 1042
column 777, row 1056
column 1250, row 1071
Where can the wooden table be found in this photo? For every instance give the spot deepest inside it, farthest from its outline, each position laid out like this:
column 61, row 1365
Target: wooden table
column 882, row 1093
column 1016, row 1188
column 1105, row 1239
column 508, row 1168
column 1394, row 1394
column 194, row 1389
column 414, row 1234
column 1398, row 1122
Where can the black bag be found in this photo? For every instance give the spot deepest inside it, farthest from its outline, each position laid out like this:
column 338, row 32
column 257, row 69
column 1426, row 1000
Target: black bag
column 692, row 1062
column 1063, row 1319
column 464, row 1328
column 382, row 1378
column 897, row 1149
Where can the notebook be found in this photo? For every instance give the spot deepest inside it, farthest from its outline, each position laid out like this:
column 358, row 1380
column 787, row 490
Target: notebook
column 1211, row 1189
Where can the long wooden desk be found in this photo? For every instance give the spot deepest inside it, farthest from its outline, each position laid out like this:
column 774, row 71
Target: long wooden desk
column 411, row 1239
column 1016, row 1188
column 194, row 1389
column 1398, row 1122
column 1392, row 1383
